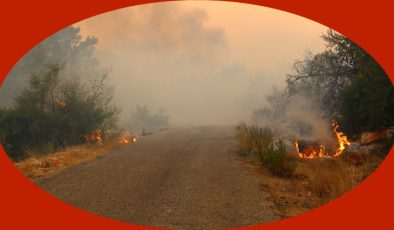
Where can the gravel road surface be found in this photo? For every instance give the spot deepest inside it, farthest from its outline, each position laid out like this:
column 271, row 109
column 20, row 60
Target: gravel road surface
column 184, row 178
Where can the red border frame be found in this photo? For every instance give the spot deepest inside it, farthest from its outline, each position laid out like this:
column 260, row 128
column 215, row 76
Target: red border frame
column 25, row 23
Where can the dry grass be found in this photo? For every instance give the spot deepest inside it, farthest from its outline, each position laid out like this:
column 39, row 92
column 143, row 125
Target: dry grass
column 289, row 196
column 252, row 139
column 254, row 143
column 315, row 183
column 298, row 185
column 330, row 178
column 45, row 165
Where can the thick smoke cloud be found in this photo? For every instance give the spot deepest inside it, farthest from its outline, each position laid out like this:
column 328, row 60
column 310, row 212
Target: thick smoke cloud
column 190, row 60
column 159, row 29
column 167, row 56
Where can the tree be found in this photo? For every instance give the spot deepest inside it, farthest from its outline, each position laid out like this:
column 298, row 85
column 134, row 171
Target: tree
column 65, row 48
column 56, row 112
column 143, row 120
column 346, row 83
column 321, row 76
column 326, row 74
column 368, row 103
column 350, row 84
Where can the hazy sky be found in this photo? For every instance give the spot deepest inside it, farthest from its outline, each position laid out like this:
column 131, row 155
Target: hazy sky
column 205, row 62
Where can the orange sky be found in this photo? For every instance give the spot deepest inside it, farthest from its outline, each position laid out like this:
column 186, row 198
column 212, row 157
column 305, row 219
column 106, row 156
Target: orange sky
column 265, row 38
column 217, row 56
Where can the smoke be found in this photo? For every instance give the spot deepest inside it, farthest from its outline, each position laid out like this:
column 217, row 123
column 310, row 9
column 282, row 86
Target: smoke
column 296, row 117
column 305, row 119
column 159, row 29
column 65, row 48
column 168, row 56
column 203, row 62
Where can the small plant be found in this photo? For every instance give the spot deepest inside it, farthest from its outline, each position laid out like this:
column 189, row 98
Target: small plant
column 278, row 161
column 39, row 150
column 253, row 138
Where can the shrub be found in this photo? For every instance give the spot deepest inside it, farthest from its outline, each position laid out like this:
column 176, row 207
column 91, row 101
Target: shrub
column 253, row 138
column 278, row 161
column 50, row 114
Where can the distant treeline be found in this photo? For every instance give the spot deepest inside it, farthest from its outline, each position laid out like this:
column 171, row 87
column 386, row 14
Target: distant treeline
column 143, row 120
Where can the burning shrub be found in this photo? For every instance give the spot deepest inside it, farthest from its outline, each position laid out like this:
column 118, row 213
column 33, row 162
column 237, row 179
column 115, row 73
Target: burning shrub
column 278, row 161
column 315, row 149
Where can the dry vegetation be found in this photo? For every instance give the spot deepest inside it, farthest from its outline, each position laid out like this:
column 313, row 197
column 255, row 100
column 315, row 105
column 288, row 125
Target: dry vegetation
column 309, row 183
column 314, row 183
column 253, row 139
column 45, row 165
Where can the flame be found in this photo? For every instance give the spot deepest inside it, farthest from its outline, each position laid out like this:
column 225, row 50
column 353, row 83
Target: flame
column 123, row 140
column 127, row 138
column 342, row 140
column 97, row 135
column 94, row 136
column 62, row 104
column 311, row 152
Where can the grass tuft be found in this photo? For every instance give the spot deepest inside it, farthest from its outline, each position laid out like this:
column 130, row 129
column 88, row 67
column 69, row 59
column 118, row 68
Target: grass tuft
column 253, row 139
column 278, row 161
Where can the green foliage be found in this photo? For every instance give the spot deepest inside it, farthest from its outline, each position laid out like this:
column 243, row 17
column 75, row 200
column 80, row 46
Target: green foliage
column 348, row 82
column 368, row 103
column 278, row 161
column 55, row 113
column 348, row 54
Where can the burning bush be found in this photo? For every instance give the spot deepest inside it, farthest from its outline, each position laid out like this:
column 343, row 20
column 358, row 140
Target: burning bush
column 315, row 149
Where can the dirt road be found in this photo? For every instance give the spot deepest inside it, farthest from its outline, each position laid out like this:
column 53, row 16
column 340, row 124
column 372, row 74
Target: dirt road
column 189, row 178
